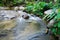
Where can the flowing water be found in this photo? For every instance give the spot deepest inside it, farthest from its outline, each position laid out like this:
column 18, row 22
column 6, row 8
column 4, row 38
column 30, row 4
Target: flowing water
column 19, row 28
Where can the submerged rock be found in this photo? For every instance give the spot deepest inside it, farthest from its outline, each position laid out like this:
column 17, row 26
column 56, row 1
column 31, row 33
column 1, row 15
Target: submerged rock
column 8, row 14
column 32, row 28
column 6, row 24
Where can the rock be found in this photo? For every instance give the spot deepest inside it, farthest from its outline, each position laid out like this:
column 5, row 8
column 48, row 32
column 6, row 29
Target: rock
column 48, row 11
column 51, row 23
column 25, row 16
column 8, row 14
column 16, row 8
column 21, row 8
column 4, row 8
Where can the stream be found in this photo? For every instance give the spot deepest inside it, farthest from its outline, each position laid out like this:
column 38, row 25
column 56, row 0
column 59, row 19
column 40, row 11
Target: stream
column 20, row 29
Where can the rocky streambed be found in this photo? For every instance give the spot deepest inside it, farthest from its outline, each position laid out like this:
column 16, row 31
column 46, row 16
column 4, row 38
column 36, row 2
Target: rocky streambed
column 15, row 27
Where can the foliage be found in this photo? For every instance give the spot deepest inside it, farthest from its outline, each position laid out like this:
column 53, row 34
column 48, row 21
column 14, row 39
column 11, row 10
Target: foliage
column 57, row 25
column 10, row 2
column 37, row 8
column 55, row 29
